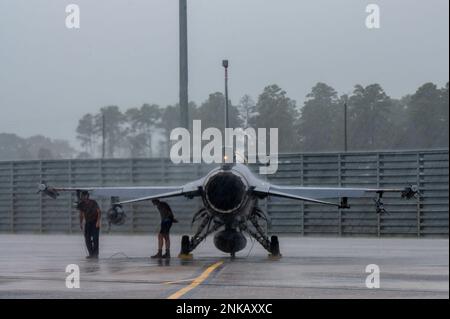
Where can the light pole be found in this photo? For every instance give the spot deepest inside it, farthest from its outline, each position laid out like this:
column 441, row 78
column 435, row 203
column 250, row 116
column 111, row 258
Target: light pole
column 227, row 155
column 345, row 126
column 184, row 116
column 103, row 135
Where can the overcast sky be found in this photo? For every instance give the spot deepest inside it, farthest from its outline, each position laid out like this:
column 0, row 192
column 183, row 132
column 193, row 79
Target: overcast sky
column 126, row 53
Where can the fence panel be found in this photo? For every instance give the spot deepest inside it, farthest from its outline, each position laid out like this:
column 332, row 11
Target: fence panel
column 23, row 210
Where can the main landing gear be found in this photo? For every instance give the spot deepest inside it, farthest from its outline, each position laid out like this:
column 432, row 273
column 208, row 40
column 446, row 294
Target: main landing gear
column 230, row 239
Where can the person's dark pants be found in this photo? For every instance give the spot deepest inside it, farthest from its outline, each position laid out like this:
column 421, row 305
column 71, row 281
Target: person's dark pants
column 91, row 234
column 166, row 224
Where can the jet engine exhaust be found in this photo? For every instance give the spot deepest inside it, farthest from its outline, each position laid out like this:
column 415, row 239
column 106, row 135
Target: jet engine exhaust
column 230, row 241
column 225, row 192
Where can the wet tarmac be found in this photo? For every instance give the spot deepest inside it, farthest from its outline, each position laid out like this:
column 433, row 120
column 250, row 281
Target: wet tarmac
column 34, row 266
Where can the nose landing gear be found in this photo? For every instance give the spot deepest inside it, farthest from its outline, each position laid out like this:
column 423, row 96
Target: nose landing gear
column 274, row 247
column 185, row 252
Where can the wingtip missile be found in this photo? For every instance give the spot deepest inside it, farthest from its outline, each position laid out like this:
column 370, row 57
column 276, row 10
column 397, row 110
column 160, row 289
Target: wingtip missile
column 47, row 190
column 410, row 192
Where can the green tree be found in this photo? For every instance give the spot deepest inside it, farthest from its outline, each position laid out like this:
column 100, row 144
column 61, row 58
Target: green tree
column 212, row 112
column 149, row 123
column 141, row 125
column 45, row 154
column 13, row 147
column 396, row 133
column 42, row 147
column 428, row 117
column 443, row 117
column 136, row 142
column 86, row 133
column 276, row 110
column 115, row 133
column 170, row 120
column 247, row 111
column 321, row 120
column 369, row 112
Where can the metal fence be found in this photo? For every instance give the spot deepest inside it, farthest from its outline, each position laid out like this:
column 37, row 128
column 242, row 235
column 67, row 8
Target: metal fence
column 23, row 210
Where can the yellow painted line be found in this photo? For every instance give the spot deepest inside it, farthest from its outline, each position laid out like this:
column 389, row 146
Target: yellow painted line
column 177, row 281
column 197, row 281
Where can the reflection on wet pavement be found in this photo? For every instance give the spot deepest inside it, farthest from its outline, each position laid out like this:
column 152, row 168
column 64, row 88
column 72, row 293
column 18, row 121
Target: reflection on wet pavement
column 33, row 266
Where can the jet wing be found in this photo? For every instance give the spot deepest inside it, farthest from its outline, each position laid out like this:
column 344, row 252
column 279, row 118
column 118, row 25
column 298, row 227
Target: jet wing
column 134, row 194
column 315, row 194
column 321, row 192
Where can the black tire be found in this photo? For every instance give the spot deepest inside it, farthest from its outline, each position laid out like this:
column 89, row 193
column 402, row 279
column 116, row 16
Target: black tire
column 185, row 245
column 274, row 246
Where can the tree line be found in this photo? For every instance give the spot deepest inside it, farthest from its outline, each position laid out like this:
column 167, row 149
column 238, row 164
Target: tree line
column 13, row 147
column 375, row 121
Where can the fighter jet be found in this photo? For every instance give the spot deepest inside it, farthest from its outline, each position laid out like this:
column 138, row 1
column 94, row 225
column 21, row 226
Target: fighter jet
column 230, row 194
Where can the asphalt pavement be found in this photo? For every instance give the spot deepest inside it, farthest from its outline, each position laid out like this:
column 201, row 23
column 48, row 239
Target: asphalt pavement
column 34, row 266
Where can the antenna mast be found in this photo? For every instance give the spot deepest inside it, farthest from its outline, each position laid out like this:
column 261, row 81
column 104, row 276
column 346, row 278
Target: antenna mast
column 225, row 65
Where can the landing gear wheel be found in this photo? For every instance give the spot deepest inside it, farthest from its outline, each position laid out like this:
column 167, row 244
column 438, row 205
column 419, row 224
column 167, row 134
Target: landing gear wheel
column 185, row 248
column 185, row 243
column 274, row 247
